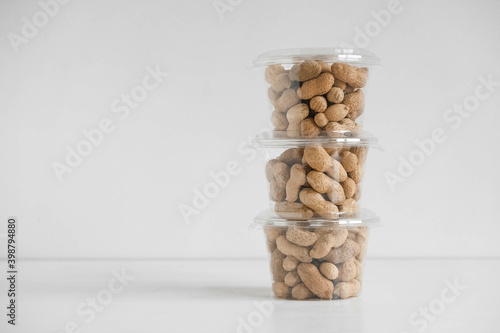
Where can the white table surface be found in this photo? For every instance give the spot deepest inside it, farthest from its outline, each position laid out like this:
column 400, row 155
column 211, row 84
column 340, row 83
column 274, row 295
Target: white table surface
column 221, row 295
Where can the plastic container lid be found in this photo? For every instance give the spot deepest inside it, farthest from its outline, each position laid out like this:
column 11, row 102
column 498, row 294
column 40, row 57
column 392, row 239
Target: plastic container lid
column 364, row 218
column 358, row 57
column 281, row 139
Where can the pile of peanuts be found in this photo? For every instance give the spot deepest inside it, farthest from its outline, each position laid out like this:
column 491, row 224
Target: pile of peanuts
column 314, row 184
column 316, row 181
column 322, row 262
column 314, row 97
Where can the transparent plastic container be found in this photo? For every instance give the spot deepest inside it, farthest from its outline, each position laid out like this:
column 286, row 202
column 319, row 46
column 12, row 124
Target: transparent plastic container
column 317, row 91
column 314, row 177
column 316, row 259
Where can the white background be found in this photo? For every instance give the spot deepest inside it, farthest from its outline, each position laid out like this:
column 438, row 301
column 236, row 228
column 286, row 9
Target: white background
column 123, row 200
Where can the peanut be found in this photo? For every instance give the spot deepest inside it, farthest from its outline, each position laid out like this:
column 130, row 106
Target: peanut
column 339, row 83
column 349, row 125
column 349, row 187
column 335, row 95
column 317, row 86
column 329, row 270
column 271, row 246
column 277, row 77
column 272, row 73
column 276, row 193
column 295, row 116
column 349, row 207
column 297, row 179
column 357, row 174
column 318, row 158
column 363, row 231
column 348, row 160
column 301, row 237
column 354, row 76
column 290, row 249
column 346, row 270
column 293, row 210
column 292, row 279
column 321, row 120
column 336, row 112
column 277, row 265
column 290, row 263
column 325, row 68
column 281, row 82
column 357, row 195
column 291, row 156
column 301, row 292
column 273, row 95
column 318, row 103
column 351, row 235
column 315, row 281
column 335, row 130
column 356, row 103
column 361, row 240
column 349, row 249
column 279, row 121
column 317, row 203
column 327, row 240
column 281, row 290
column 272, row 233
column 324, row 184
column 308, row 128
column 361, row 153
column 347, row 289
column 349, row 90
column 270, row 170
column 307, row 70
column 337, row 171
column 287, row 99
column 281, row 173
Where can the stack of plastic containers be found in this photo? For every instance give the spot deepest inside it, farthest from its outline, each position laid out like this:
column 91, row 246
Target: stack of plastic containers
column 316, row 228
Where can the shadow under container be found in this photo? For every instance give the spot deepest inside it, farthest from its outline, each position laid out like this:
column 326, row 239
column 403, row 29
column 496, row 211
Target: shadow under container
column 314, row 177
column 316, row 259
column 317, row 91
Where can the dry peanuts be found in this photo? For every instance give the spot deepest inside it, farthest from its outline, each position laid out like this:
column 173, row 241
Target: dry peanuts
column 347, row 289
column 320, row 86
column 313, row 98
column 301, row 292
column 329, row 270
column 327, row 241
column 288, row 248
column 292, row 279
column 327, row 264
column 318, row 203
column 296, row 180
column 277, row 269
column 290, row 263
column 293, row 210
column 348, row 250
column 301, row 237
column 317, row 86
column 346, row 270
column 315, row 281
column 281, row 290
column 316, row 181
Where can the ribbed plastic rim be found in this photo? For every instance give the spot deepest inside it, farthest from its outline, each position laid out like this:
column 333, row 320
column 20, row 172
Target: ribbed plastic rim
column 354, row 56
column 281, row 139
column 365, row 218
